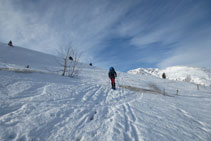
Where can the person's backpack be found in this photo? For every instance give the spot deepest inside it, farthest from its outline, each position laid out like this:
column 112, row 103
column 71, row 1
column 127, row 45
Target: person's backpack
column 112, row 72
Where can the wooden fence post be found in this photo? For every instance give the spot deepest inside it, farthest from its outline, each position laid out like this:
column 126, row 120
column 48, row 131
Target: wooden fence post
column 197, row 86
column 164, row 93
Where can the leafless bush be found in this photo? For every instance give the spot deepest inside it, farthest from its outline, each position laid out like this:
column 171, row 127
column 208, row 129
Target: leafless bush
column 70, row 64
column 155, row 88
column 188, row 78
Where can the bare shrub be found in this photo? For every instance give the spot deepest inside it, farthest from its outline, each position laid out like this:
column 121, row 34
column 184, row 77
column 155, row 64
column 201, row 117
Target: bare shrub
column 164, row 75
column 70, row 64
column 10, row 43
column 188, row 78
column 155, row 88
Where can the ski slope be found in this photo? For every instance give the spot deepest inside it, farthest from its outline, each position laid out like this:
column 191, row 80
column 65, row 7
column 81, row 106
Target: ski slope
column 42, row 105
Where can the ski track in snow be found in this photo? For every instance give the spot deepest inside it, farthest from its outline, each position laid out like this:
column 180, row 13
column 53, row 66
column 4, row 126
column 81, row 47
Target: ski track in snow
column 56, row 114
column 38, row 105
column 81, row 111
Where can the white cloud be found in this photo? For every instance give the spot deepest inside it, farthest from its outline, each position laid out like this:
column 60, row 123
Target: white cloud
column 48, row 25
column 171, row 27
column 194, row 51
column 25, row 29
column 52, row 24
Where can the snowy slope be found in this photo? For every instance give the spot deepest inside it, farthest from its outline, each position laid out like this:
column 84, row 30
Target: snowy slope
column 47, row 106
column 18, row 56
column 181, row 73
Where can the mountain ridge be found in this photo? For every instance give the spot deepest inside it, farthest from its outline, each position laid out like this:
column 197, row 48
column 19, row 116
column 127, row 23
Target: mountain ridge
column 201, row 76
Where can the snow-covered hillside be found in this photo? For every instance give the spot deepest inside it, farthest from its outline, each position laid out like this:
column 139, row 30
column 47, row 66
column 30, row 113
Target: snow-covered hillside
column 195, row 75
column 22, row 57
column 41, row 105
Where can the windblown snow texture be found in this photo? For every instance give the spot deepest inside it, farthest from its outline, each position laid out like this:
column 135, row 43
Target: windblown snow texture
column 38, row 104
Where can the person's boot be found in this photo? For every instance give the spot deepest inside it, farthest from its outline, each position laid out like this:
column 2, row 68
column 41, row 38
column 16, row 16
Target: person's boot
column 113, row 86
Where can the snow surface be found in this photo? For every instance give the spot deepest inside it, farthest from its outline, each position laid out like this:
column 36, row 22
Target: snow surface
column 38, row 104
column 195, row 75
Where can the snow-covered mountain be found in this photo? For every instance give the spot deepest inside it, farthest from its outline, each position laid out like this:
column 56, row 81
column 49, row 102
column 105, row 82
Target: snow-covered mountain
column 42, row 105
column 195, row 75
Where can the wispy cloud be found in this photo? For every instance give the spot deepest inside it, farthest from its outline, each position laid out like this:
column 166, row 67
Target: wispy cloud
column 25, row 28
column 171, row 27
column 193, row 51
column 145, row 32
column 51, row 24
column 183, row 32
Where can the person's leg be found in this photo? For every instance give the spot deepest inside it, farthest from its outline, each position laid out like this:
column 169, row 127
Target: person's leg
column 113, row 83
column 114, row 86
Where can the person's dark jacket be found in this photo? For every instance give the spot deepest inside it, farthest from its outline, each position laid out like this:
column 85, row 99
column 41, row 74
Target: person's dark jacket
column 112, row 74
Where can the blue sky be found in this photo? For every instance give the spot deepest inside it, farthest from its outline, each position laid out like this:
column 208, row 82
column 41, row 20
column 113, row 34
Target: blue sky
column 125, row 34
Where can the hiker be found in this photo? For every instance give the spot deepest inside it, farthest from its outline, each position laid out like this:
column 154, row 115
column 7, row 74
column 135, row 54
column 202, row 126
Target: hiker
column 112, row 74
